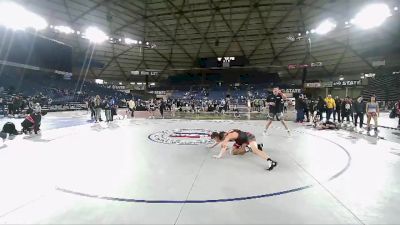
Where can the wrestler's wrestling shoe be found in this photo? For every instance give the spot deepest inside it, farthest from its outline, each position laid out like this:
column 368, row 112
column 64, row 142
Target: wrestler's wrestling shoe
column 271, row 164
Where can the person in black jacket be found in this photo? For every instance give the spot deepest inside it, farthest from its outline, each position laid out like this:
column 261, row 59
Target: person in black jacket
column 321, row 106
column 346, row 109
column 359, row 107
column 397, row 105
column 300, row 108
column 92, row 109
column 2, row 107
column 306, row 109
column 162, row 108
column 337, row 111
column 311, row 107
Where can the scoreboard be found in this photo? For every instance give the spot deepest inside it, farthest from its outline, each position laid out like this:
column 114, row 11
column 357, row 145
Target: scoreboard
column 223, row 62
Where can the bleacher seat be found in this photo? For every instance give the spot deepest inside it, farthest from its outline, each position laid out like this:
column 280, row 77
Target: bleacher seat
column 384, row 87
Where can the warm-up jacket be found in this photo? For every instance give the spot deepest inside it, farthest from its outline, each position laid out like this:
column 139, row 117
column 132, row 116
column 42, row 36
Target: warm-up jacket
column 359, row 107
column 330, row 103
column 338, row 103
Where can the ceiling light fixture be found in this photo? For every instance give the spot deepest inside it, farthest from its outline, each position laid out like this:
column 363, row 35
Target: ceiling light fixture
column 14, row 16
column 95, row 35
column 372, row 16
column 325, row 27
column 64, row 29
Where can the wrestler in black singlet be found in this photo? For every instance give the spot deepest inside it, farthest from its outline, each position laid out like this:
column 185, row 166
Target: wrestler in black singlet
column 243, row 138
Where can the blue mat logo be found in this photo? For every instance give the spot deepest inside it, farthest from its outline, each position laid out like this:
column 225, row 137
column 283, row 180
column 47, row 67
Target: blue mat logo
column 182, row 137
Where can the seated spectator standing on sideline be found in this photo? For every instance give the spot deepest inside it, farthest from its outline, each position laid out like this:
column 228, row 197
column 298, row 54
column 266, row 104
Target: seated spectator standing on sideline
column 359, row 111
column 338, row 103
column 330, row 106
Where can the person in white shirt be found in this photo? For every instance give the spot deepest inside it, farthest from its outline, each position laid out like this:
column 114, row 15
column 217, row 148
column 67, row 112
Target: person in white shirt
column 132, row 107
column 151, row 107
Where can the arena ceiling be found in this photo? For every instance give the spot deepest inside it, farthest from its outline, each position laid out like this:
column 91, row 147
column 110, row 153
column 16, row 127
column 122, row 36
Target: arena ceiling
column 185, row 30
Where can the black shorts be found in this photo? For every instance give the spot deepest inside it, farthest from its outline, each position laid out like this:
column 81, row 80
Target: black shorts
column 250, row 137
column 273, row 115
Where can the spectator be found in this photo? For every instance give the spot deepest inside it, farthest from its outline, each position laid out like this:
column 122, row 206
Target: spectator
column 346, row 109
column 132, row 106
column 2, row 111
column 306, row 109
column 107, row 109
column 311, row 107
column 351, row 109
column 92, row 109
column 372, row 109
column 285, row 106
column 97, row 107
column 338, row 103
column 222, row 106
column 330, row 106
column 398, row 112
column 299, row 106
column 151, row 108
column 321, row 106
column 173, row 109
column 359, row 111
column 162, row 108
column 10, row 106
column 114, row 110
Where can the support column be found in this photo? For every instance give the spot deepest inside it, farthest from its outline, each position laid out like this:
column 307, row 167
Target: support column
column 147, row 82
column 347, row 91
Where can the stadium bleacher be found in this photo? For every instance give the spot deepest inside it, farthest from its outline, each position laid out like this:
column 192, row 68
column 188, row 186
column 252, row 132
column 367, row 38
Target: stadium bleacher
column 384, row 87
